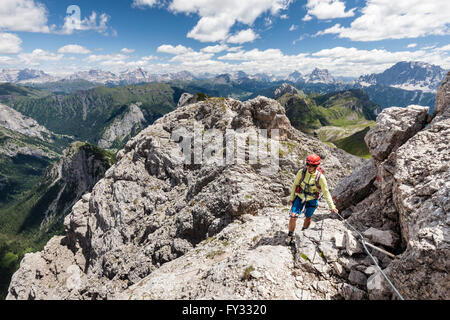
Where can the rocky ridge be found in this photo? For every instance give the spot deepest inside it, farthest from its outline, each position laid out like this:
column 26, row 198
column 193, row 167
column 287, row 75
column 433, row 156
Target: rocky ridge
column 15, row 121
column 74, row 174
column 124, row 126
column 405, row 192
column 152, row 212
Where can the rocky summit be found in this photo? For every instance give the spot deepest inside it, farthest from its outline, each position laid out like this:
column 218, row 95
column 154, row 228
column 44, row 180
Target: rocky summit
column 404, row 193
column 208, row 220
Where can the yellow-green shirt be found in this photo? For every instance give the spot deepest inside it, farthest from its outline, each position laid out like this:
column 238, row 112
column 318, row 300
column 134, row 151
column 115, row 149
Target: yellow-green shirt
column 309, row 185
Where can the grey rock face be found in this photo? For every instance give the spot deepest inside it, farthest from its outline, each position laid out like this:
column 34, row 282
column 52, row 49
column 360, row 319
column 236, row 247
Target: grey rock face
column 352, row 189
column 386, row 238
column 124, row 126
column 412, row 75
column 186, row 98
column 78, row 170
column 285, row 88
column 15, row 121
column 443, row 97
column 407, row 212
column 394, row 127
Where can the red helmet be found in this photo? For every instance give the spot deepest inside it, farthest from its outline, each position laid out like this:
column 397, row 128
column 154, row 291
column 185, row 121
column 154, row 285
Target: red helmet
column 313, row 159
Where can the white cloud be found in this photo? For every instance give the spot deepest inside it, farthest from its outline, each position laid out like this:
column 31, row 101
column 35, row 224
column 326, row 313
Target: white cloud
column 126, row 50
column 7, row 60
column 192, row 57
column 243, row 36
column 327, row 9
column 215, row 49
column 38, row 56
column 254, row 55
column 179, row 49
column 148, row 58
column 106, row 57
column 144, row 3
column 293, row 27
column 10, row 43
column 218, row 16
column 442, row 49
column 23, row 15
column 384, row 19
column 234, row 49
column 212, row 29
column 74, row 49
column 412, row 45
column 183, row 54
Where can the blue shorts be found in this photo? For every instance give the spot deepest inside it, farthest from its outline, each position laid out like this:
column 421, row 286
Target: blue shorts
column 298, row 205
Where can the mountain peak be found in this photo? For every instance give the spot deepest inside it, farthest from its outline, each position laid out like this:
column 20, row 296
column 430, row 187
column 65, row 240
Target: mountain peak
column 408, row 75
column 320, row 76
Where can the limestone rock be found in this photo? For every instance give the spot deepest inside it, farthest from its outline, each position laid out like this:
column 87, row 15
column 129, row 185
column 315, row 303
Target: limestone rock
column 443, row 97
column 350, row 292
column 355, row 187
column 352, row 244
column 394, row 127
column 285, row 88
column 378, row 288
column 15, row 121
column 408, row 210
column 357, row 277
column 384, row 237
column 185, row 99
column 131, row 121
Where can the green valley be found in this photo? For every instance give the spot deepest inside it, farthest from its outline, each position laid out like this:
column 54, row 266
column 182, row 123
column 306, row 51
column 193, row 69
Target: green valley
column 339, row 118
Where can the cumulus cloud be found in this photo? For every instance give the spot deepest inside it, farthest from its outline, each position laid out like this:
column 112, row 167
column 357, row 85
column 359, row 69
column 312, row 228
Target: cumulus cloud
column 254, row 55
column 74, row 49
column 243, row 36
column 384, row 19
column 106, row 57
column 23, row 15
column 126, row 50
column 327, row 9
column 144, row 3
column 218, row 16
column 37, row 56
column 215, row 49
column 179, row 49
column 10, row 43
column 7, row 60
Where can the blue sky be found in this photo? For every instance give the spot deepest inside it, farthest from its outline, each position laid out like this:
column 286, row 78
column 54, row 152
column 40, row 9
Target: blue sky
column 349, row 38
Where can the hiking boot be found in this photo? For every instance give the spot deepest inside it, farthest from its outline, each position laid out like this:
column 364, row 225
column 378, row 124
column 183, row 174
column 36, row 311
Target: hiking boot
column 290, row 241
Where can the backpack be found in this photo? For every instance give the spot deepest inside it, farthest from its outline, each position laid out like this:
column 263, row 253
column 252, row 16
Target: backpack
column 299, row 189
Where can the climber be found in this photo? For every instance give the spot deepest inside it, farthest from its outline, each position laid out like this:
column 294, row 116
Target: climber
column 305, row 192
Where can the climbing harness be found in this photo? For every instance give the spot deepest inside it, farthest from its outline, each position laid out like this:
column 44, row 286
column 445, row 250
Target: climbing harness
column 306, row 192
column 364, row 243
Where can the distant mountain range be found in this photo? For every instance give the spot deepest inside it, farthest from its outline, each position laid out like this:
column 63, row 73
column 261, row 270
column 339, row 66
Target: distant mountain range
column 29, row 76
column 404, row 75
column 408, row 76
